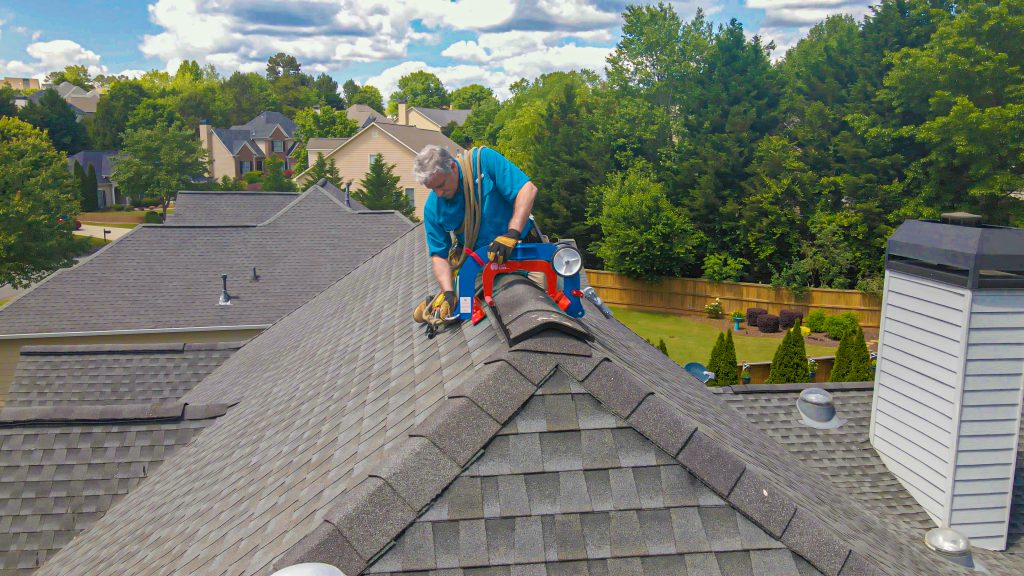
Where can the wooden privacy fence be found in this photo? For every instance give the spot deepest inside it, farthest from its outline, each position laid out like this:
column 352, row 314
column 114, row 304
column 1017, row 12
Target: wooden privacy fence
column 677, row 295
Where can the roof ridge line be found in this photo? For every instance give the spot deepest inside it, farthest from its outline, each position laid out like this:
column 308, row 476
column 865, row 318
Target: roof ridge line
column 100, row 413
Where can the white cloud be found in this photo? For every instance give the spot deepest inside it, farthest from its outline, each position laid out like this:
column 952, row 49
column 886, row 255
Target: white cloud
column 53, row 55
column 782, row 14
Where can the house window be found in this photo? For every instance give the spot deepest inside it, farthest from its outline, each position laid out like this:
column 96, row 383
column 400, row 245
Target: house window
column 277, row 145
column 244, row 166
column 259, row 165
column 410, row 197
column 372, row 156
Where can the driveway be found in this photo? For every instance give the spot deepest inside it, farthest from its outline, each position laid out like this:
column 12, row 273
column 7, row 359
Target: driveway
column 97, row 231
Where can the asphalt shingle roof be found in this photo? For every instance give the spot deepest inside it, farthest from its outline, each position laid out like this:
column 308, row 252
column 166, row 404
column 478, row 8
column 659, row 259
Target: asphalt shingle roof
column 164, row 276
column 443, row 117
column 227, row 208
column 235, row 138
column 845, row 456
column 112, row 374
column 416, row 138
column 98, row 159
column 349, row 423
column 263, row 126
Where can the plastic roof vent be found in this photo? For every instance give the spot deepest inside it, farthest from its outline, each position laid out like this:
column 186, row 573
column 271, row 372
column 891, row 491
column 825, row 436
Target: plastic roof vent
column 959, row 250
column 817, row 410
column 952, row 546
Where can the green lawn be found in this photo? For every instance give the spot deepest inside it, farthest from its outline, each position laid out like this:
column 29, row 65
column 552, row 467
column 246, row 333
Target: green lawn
column 5, row 301
column 689, row 340
column 127, row 225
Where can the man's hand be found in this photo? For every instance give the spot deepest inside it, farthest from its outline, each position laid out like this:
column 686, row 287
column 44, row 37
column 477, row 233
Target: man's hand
column 501, row 249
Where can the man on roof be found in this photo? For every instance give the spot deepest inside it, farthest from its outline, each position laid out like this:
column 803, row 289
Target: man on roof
column 480, row 200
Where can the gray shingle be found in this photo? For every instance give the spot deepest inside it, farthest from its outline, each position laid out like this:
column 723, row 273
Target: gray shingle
column 227, row 208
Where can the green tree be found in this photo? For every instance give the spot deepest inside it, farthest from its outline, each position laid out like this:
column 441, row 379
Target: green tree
column 75, row 74
column 645, row 236
column 157, row 162
column 113, row 111
column 274, row 178
column 152, row 112
column 189, row 72
column 475, row 131
column 38, row 203
column 326, row 89
column 282, row 64
column 789, row 365
column 350, row 89
column 7, row 107
column 723, row 268
column 723, row 361
column 293, row 94
column 245, row 96
column 90, row 200
column 853, row 361
column 78, row 179
column 419, row 88
column 379, row 189
column 325, row 123
column 467, row 97
column 200, row 102
column 54, row 115
column 370, row 96
column 228, row 184
column 324, row 169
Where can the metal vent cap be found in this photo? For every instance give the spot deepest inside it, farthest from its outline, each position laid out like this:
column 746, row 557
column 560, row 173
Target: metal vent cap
column 817, row 409
column 954, row 547
column 309, row 569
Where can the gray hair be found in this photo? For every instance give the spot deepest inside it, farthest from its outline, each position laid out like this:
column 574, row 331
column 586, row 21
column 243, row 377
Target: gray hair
column 431, row 160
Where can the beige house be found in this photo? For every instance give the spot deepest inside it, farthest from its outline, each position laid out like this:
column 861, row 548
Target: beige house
column 397, row 145
column 244, row 148
column 429, row 118
column 107, row 193
column 364, row 115
column 20, row 83
column 83, row 103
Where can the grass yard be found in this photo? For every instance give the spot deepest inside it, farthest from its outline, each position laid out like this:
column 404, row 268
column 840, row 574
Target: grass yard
column 691, row 340
column 5, row 301
column 111, row 224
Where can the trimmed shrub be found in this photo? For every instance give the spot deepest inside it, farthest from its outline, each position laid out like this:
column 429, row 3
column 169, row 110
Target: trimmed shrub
column 728, row 371
column 717, row 353
column 789, row 365
column 789, row 317
column 853, row 361
column 840, row 325
column 152, row 217
column 816, row 321
column 662, row 346
column 752, row 314
column 714, row 309
column 768, row 323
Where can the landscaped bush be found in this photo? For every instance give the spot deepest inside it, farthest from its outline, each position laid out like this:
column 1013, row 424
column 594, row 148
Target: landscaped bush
column 119, row 208
column 714, row 309
column 723, row 361
column 768, row 323
column 853, row 361
column 152, row 217
column 253, row 177
column 816, row 321
column 789, row 317
column 752, row 314
column 840, row 325
column 662, row 346
column 790, row 362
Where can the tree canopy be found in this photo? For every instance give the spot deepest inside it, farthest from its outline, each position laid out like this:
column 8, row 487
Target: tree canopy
column 155, row 163
column 419, row 89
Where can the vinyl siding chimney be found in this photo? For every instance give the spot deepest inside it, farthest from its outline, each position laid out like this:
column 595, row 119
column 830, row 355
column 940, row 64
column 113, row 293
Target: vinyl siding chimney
column 948, row 388
column 403, row 113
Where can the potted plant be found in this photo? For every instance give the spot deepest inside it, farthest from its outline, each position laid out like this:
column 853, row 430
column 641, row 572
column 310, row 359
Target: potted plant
column 745, row 374
column 812, row 368
column 737, row 317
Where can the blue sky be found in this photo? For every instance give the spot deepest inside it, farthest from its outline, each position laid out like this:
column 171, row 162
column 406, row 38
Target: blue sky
column 493, row 42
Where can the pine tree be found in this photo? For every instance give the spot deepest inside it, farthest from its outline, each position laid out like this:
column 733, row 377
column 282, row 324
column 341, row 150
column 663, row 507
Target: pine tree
column 273, row 177
column 78, row 176
column 729, row 371
column 853, row 361
column 323, row 169
column 662, row 346
column 841, row 365
column 89, row 190
column 715, row 362
column 379, row 189
column 790, row 362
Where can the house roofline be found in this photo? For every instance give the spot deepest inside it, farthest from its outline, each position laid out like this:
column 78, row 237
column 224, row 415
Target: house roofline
column 131, row 331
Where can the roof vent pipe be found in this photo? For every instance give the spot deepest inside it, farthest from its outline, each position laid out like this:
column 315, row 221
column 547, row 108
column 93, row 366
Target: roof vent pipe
column 348, row 194
column 255, row 276
column 817, row 409
column 225, row 298
column 953, row 546
column 590, row 294
column 309, row 569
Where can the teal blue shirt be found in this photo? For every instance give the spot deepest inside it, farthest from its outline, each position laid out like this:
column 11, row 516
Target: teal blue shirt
column 500, row 184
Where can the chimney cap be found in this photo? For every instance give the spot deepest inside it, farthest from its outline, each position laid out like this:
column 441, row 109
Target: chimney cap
column 204, row 122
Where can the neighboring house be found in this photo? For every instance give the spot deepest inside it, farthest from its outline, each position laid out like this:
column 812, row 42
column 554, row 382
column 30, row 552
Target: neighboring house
column 162, row 283
column 83, row 103
column 21, row 83
column 321, row 147
column 244, row 148
column 206, row 208
column 531, row 443
column 397, row 145
column 106, row 190
column 364, row 115
column 429, row 118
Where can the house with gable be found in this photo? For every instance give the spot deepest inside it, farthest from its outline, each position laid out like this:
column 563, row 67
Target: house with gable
column 395, row 143
column 430, row 118
column 106, row 189
column 82, row 102
column 244, row 148
column 163, row 283
column 531, row 443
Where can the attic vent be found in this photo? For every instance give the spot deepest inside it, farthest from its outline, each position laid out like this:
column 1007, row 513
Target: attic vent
column 225, row 298
column 309, row 569
column 817, row 410
column 952, row 546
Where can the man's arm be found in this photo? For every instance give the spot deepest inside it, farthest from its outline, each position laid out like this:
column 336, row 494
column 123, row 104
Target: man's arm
column 442, row 272
column 522, row 207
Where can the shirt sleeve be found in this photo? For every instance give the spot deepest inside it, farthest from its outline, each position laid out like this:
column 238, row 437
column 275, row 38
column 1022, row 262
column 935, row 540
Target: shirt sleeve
column 507, row 177
column 439, row 242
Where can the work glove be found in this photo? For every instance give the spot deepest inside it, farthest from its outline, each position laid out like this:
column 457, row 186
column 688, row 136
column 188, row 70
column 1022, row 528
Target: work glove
column 501, row 249
column 443, row 304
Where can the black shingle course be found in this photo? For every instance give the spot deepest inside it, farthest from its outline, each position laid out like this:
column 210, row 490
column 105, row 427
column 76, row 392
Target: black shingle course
column 459, row 428
column 764, row 503
column 662, row 424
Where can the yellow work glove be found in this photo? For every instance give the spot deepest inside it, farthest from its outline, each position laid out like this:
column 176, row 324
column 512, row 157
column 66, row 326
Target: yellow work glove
column 501, row 249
